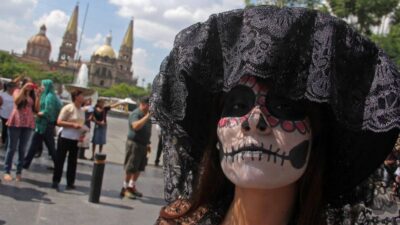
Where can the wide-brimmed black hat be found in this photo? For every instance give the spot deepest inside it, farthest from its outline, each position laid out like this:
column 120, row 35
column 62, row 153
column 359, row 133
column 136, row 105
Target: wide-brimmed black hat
column 308, row 56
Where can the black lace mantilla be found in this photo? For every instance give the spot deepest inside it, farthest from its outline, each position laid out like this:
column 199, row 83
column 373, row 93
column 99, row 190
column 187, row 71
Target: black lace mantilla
column 307, row 55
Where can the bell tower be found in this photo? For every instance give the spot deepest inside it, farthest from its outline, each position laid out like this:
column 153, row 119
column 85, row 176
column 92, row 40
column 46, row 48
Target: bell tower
column 125, row 55
column 68, row 45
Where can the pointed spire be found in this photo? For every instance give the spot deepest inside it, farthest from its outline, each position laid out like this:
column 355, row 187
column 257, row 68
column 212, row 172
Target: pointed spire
column 72, row 27
column 128, row 38
column 108, row 39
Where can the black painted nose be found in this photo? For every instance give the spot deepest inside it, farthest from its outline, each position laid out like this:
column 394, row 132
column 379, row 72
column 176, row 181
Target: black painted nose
column 246, row 125
column 261, row 125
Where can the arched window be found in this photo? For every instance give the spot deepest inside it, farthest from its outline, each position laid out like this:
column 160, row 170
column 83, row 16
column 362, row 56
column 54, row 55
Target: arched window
column 104, row 72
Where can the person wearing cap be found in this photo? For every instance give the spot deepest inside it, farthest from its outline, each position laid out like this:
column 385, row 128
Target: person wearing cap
column 20, row 126
column 45, row 122
column 276, row 116
column 137, row 147
column 7, row 105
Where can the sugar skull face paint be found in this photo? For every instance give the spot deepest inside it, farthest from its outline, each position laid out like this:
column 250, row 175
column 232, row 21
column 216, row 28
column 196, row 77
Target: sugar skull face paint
column 264, row 141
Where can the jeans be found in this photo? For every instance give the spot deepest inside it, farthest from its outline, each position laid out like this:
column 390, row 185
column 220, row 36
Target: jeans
column 37, row 142
column 18, row 137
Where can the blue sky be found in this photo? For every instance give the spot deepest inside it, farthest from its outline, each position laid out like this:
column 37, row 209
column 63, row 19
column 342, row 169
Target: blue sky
column 156, row 24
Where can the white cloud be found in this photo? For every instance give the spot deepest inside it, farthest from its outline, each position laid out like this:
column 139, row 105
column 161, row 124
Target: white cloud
column 140, row 65
column 158, row 22
column 156, row 32
column 15, row 38
column 90, row 45
column 15, row 17
column 56, row 21
column 163, row 22
column 17, row 8
column 180, row 13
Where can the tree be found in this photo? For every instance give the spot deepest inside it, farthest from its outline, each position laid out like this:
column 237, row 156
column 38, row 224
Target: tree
column 10, row 67
column 122, row 90
column 280, row 3
column 367, row 13
column 390, row 43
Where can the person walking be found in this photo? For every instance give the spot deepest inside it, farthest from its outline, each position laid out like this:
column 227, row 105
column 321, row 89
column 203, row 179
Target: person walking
column 7, row 105
column 83, row 143
column 99, row 117
column 20, row 125
column 137, row 146
column 44, row 124
column 71, row 119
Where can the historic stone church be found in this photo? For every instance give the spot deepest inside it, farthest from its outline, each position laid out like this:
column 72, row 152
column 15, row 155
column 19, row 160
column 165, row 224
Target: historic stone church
column 105, row 66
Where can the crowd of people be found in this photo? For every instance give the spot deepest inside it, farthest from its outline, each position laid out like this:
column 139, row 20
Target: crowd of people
column 34, row 115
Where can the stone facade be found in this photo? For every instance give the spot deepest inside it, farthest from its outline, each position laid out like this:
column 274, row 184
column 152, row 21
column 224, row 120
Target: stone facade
column 38, row 47
column 105, row 67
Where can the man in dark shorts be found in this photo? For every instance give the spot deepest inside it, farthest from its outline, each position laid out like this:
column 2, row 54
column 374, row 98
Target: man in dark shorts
column 137, row 145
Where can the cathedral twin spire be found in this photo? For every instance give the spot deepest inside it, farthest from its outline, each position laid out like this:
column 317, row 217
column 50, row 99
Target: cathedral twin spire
column 68, row 46
column 70, row 38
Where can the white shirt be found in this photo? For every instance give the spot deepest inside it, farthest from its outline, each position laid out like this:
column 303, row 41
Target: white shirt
column 71, row 113
column 7, row 106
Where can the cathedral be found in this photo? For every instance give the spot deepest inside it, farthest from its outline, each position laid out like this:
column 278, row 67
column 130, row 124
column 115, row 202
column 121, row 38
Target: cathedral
column 105, row 66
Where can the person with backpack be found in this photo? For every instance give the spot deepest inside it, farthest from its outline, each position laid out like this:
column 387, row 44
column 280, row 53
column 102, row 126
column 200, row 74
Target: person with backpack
column 49, row 108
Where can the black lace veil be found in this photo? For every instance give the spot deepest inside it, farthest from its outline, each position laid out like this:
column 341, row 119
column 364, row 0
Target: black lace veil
column 308, row 56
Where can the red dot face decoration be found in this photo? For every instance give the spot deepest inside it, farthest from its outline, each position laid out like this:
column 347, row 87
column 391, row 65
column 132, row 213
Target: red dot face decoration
column 264, row 141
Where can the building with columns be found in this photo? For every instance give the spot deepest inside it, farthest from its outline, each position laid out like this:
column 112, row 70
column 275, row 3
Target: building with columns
column 106, row 68
column 38, row 47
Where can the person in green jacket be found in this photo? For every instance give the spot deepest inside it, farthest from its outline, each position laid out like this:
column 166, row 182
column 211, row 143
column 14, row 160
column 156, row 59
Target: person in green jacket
column 49, row 107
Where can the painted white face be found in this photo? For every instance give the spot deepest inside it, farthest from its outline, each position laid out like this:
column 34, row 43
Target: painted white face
column 264, row 141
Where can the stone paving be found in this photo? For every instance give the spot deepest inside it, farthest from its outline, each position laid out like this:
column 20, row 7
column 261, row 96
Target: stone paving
column 32, row 201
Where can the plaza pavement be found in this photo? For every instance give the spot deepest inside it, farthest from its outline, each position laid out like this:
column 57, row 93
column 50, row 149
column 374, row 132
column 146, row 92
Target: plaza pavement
column 32, row 201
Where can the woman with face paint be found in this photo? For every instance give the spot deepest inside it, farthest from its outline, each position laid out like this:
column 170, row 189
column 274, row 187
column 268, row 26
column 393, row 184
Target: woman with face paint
column 275, row 116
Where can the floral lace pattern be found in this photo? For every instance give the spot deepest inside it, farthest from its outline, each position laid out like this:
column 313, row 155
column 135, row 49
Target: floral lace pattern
column 306, row 54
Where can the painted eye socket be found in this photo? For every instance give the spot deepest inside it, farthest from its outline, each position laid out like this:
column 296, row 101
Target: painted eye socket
column 285, row 109
column 239, row 101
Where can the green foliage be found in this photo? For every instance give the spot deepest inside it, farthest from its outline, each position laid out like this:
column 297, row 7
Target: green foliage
column 390, row 43
column 280, row 3
column 122, row 90
column 10, row 67
column 368, row 12
column 248, row 3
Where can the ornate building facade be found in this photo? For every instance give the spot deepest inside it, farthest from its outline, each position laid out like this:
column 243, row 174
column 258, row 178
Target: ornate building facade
column 105, row 67
column 38, row 47
column 68, row 46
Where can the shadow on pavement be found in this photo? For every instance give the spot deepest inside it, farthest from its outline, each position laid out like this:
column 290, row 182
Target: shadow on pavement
column 152, row 200
column 116, row 206
column 2, row 222
column 24, row 194
column 38, row 183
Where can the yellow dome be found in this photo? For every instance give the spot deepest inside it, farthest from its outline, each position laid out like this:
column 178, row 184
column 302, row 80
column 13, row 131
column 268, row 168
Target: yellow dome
column 105, row 50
